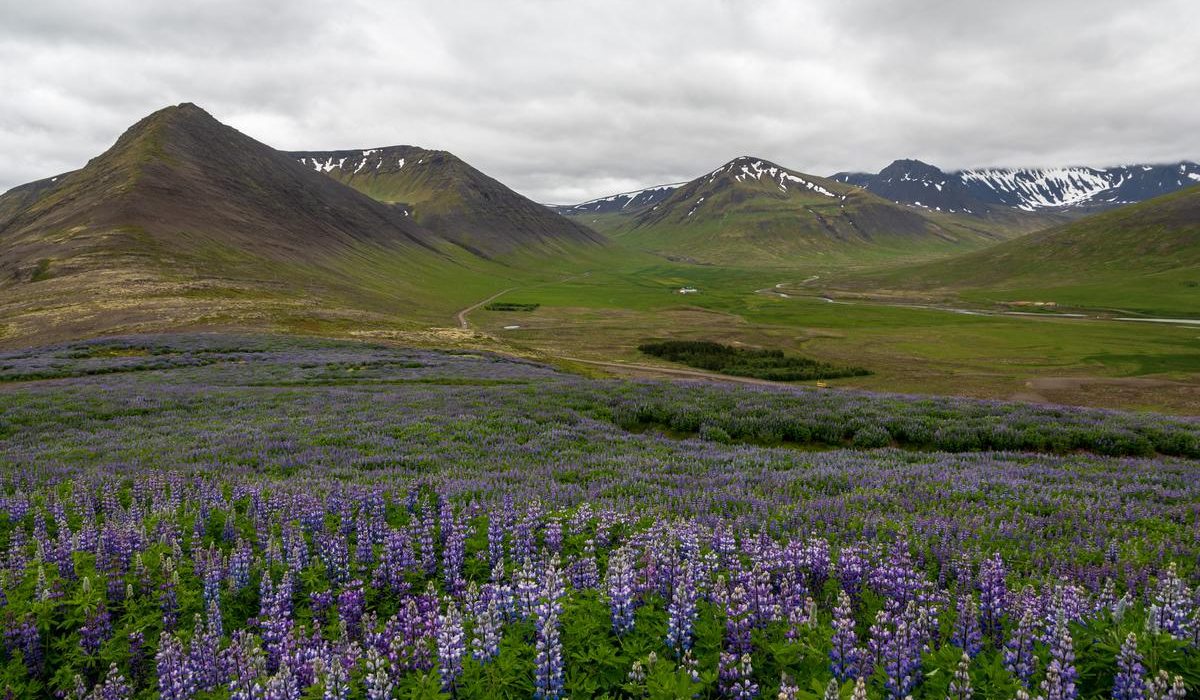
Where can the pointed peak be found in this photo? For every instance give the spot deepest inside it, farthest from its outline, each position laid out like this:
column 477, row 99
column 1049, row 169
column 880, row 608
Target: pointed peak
column 912, row 166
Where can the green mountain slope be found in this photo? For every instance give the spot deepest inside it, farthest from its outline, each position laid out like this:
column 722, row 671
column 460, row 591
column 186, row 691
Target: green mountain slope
column 186, row 222
column 446, row 195
column 1143, row 257
column 750, row 212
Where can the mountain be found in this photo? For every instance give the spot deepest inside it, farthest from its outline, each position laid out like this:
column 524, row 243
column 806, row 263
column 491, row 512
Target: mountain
column 1138, row 258
column 1076, row 190
column 620, row 203
column 750, row 211
column 179, row 178
column 447, row 196
column 186, row 221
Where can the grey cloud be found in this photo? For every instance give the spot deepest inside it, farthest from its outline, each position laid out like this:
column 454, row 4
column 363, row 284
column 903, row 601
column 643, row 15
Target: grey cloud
column 570, row 100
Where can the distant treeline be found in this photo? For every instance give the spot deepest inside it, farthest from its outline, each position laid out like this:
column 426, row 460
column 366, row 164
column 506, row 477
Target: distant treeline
column 509, row 306
column 746, row 362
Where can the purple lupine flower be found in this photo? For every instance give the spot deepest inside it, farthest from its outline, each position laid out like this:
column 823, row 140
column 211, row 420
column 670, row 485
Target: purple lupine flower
column 584, row 573
column 281, row 686
column 1164, row 686
column 852, row 568
column 527, row 588
column 966, row 634
column 735, row 676
column 619, row 586
column 378, row 681
column 760, row 595
column 246, row 665
column 451, row 646
column 335, row 680
column 168, row 598
column 275, row 618
column 1171, row 608
column 1062, row 665
column 113, row 687
column 351, row 603
column 454, row 532
column 240, row 560
column 137, row 656
column 485, row 645
column 960, row 684
column 681, row 612
column 25, row 637
column 425, row 539
column 844, row 655
column 335, row 555
column 554, row 536
column 1130, row 681
column 993, row 595
column 896, row 644
column 789, row 691
column 203, row 658
column 175, row 681
column 495, row 540
column 1018, row 651
column 738, row 622
column 96, row 630
column 548, row 662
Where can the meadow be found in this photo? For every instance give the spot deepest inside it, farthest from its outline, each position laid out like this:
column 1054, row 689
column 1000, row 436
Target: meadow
column 219, row 516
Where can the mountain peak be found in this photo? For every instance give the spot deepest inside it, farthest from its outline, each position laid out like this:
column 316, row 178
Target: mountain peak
column 912, row 167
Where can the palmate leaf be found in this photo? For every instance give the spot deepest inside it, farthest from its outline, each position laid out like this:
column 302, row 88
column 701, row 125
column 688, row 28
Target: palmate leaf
column 666, row 682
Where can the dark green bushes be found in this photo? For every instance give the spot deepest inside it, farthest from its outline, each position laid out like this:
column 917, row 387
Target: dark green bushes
column 772, row 365
column 510, row 306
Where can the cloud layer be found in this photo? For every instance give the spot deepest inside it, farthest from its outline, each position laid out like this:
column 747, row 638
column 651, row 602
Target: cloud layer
column 565, row 101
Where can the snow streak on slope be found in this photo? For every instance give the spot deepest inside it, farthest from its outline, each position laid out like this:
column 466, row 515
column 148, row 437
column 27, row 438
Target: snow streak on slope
column 1032, row 189
column 625, row 201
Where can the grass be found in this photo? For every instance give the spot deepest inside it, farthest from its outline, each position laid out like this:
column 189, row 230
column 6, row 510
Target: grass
column 605, row 314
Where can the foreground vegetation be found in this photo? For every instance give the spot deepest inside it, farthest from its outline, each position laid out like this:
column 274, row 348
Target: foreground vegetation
column 747, row 362
column 261, row 518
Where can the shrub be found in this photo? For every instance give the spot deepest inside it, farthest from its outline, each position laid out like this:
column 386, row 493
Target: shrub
column 772, row 365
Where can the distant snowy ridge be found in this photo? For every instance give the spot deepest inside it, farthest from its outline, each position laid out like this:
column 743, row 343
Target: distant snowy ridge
column 1027, row 189
column 623, row 201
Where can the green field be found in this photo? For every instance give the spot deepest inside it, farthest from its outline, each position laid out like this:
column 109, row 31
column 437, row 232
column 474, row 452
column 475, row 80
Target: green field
column 604, row 313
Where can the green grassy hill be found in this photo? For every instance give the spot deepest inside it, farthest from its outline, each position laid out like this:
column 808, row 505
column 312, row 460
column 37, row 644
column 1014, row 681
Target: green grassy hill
column 1141, row 258
column 750, row 212
column 448, row 196
column 187, row 223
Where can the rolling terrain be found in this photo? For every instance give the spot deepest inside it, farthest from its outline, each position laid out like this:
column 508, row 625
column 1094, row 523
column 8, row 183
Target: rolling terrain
column 753, row 213
column 185, row 222
column 1138, row 259
column 446, row 195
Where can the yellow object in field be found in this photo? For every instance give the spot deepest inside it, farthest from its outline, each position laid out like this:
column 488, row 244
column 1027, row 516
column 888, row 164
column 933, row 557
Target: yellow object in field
column 822, row 385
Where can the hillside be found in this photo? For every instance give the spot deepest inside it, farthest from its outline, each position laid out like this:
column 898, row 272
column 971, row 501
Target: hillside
column 187, row 221
column 1070, row 191
column 753, row 212
column 446, row 195
column 1142, row 258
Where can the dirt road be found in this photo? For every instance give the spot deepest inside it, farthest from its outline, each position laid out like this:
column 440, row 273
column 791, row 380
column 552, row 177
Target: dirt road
column 461, row 316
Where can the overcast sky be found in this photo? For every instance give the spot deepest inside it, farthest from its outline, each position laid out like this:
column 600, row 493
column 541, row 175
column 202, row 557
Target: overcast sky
column 574, row 99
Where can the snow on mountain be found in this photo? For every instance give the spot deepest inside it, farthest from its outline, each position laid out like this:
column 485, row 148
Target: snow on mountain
column 746, row 168
column 625, row 201
column 1027, row 189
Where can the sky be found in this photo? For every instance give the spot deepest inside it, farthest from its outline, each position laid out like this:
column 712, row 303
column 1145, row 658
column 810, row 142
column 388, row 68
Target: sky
column 565, row 100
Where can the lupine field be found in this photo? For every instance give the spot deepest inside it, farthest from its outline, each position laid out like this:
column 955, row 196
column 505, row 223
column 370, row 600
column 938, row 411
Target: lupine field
column 214, row 516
